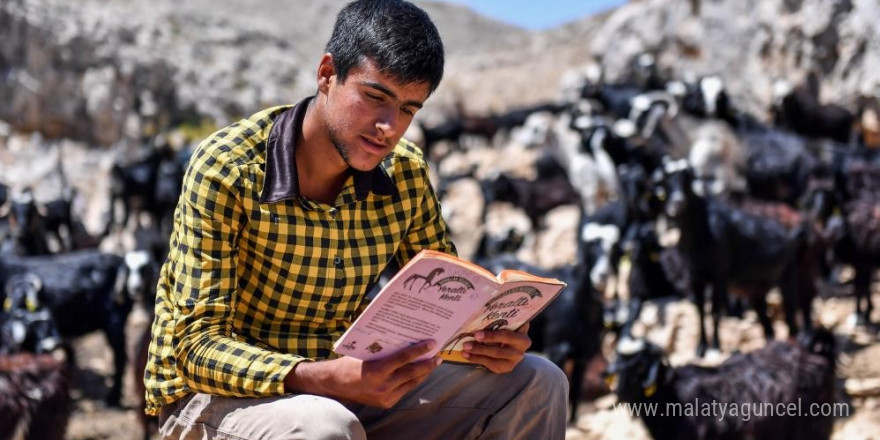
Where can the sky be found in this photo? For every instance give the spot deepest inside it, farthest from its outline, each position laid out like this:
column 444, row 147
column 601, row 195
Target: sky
column 539, row 14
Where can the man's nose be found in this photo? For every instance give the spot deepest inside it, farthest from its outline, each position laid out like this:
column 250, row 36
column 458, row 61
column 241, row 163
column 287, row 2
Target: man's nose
column 387, row 123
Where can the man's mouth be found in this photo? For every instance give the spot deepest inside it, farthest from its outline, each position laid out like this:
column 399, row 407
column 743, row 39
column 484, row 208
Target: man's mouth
column 375, row 145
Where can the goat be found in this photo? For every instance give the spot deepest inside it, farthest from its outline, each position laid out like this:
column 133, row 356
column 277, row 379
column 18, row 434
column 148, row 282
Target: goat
column 569, row 329
column 777, row 165
column 798, row 109
column 847, row 207
column 717, row 158
column 28, row 324
column 143, row 270
column 648, row 278
column 135, row 185
column 536, row 197
column 726, row 247
column 779, row 375
column 592, row 175
column 856, row 240
column 26, row 225
column 169, row 180
column 704, row 97
column 86, row 292
column 34, row 397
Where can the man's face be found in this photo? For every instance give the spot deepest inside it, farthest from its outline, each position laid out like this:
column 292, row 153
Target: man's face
column 367, row 114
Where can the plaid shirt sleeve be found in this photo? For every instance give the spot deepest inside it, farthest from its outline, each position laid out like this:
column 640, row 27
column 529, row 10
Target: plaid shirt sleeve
column 209, row 357
column 428, row 230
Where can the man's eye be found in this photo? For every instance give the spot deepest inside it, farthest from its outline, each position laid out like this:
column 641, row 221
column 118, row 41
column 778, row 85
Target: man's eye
column 376, row 98
column 408, row 111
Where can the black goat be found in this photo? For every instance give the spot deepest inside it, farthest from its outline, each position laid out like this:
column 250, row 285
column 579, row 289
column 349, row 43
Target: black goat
column 648, row 278
column 27, row 325
column 849, row 210
column 569, row 329
column 59, row 220
column 724, row 247
column 696, row 403
column 705, row 97
column 85, row 292
column 536, row 197
column 135, row 186
column 27, row 228
column 778, row 165
column 143, row 273
column 799, row 110
column 34, row 397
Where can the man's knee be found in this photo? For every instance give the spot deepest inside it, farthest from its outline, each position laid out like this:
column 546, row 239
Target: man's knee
column 327, row 419
column 545, row 375
column 294, row 417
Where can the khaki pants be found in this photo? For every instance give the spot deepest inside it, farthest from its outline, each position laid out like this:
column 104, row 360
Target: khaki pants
column 455, row 402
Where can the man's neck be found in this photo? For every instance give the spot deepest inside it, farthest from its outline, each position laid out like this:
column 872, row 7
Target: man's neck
column 321, row 171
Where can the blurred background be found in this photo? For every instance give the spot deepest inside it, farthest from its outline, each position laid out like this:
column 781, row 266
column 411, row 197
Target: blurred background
column 558, row 139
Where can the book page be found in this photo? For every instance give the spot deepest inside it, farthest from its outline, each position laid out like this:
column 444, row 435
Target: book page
column 510, row 275
column 430, row 298
column 516, row 303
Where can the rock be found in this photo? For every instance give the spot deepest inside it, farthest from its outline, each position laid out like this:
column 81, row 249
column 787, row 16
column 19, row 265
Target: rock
column 862, row 387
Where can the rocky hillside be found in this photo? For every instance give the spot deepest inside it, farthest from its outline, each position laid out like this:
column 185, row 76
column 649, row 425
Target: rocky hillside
column 104, row 70
column 100, row 71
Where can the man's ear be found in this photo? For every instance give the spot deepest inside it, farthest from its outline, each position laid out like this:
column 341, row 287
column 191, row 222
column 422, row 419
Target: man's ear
column 326, row 73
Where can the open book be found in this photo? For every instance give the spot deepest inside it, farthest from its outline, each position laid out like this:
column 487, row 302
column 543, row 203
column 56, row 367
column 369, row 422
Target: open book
column 442, row 297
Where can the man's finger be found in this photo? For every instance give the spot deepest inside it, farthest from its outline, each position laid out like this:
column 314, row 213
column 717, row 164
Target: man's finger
column 495, row 365
column 404, row 356
column 414, row 370
column 493, row 351
column 520, row 341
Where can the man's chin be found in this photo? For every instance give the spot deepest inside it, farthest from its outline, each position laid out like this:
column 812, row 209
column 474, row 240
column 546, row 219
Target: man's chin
column 363, row 167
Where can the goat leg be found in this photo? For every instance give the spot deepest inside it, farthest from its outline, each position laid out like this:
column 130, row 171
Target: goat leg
column 699, row 290
column 719, row 304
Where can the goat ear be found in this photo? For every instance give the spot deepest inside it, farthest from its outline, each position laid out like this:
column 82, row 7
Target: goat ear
column 41, row 209
column 5, row 208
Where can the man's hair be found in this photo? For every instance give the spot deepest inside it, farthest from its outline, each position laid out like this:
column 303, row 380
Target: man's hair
column 395, row 34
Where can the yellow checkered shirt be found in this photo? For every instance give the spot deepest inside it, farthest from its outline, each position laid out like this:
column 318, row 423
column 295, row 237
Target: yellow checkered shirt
column 249, row 289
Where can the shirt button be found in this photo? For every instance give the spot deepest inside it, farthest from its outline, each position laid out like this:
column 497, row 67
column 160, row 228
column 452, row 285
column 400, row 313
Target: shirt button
column 333, row 212
column 337, row 261
column 328, row 307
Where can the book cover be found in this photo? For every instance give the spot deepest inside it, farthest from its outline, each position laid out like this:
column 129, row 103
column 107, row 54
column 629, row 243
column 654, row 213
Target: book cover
column 442, row 297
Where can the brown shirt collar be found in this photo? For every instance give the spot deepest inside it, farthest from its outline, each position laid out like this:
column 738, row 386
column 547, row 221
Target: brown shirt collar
column 281, row 180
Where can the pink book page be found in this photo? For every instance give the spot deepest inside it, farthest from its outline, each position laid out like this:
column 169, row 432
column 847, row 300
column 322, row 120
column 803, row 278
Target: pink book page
column 430, row 299
column 516, row 303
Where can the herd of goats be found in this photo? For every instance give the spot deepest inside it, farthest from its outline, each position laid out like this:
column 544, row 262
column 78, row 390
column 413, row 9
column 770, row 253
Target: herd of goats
column 753, row 207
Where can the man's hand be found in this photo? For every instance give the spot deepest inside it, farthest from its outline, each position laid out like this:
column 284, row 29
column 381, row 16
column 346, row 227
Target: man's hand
column 380, row 383
column 500, row 350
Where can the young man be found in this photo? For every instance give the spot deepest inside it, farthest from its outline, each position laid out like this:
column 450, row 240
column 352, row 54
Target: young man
column 285, row 220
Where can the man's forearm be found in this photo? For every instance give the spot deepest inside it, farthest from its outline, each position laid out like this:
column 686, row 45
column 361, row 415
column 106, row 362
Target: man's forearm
column 308, row 378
